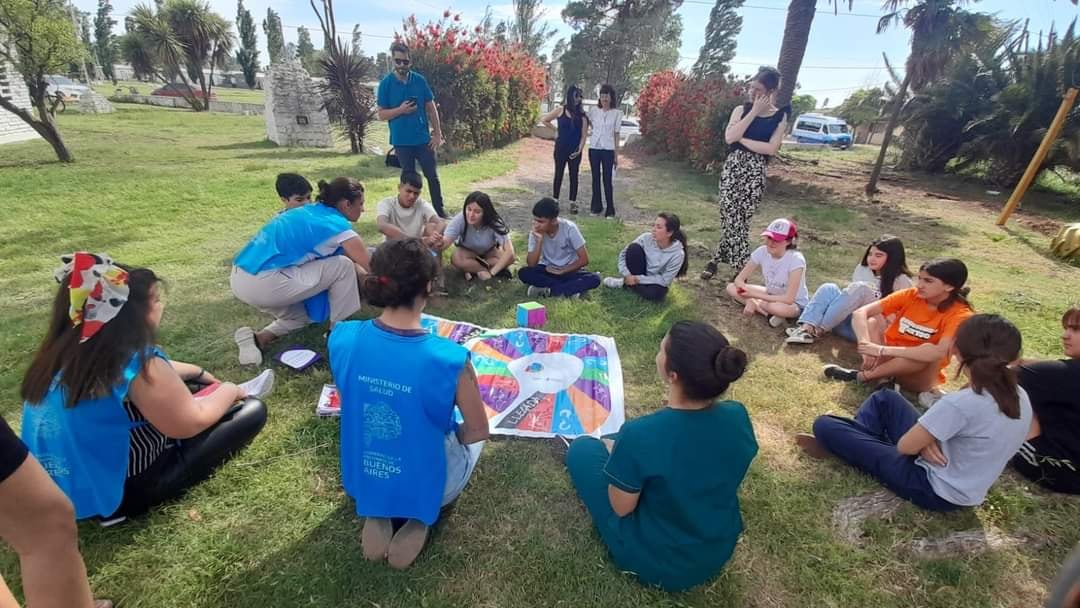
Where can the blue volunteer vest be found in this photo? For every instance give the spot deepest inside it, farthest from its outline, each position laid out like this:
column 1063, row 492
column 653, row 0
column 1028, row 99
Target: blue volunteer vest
column 85, row 448
column 397, row 404
column 290, row 239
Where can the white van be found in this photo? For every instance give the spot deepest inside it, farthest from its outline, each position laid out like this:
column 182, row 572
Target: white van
column 821, row 129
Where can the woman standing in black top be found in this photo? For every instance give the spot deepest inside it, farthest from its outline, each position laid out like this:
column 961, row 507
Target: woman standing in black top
column 569, row 142
column 754, row 133
column 1051, row 455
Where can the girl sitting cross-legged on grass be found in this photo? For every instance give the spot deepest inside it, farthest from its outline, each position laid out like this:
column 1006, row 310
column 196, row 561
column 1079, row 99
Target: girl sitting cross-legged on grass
column 403, row 455
column 481, row 238
column 882, row 270
column 784, row 294
column 905, row 337
column 302, row 266
column 652, row 262
column 948, row 457
column 664, row 493
column 108, row 414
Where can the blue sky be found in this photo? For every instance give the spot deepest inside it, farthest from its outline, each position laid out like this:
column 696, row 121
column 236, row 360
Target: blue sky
column 843, row 54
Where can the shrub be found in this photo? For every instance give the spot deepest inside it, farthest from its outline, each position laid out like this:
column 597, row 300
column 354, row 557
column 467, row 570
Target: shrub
column 685, row 117
column 488, row 92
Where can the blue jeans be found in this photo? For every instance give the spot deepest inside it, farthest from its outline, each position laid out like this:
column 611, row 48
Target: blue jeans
column 578, row 281
column 868, row 443
column 830, row 307
column 460, row 462
column 409, row 155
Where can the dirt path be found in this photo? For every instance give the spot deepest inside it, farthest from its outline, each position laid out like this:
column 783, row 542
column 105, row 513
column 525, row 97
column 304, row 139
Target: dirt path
column 532, row 180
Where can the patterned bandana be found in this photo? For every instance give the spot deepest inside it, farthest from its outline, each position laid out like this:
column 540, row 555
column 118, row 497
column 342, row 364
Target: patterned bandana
column 98, row 290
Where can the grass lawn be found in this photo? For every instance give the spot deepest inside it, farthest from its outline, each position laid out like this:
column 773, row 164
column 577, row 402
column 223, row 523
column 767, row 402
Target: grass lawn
column 181, row 192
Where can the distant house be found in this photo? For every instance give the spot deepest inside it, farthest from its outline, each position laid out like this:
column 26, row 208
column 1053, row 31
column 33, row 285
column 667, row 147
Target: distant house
column 12, row 88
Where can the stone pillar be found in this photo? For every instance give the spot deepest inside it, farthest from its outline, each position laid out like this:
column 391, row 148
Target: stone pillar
column 293, row 113
column 93, row 103
column 12, row 88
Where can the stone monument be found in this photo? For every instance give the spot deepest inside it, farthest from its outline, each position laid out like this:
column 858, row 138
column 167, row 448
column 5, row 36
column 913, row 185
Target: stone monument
column 12, row 88
column 293, row 108
column 93, row 103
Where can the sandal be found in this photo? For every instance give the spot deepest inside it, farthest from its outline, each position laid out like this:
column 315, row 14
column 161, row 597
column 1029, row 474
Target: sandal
column 709, row 272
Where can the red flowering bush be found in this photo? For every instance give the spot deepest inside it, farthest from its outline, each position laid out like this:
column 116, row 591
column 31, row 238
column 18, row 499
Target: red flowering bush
column 685, row 118
column 488, row 93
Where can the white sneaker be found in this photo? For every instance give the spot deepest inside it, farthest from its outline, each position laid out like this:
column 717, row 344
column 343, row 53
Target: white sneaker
column 791, row 331
column 930, row 397
column 799, row 336
column 775, row 321
column 538, row 292
column 613, row 282
column 249, row 349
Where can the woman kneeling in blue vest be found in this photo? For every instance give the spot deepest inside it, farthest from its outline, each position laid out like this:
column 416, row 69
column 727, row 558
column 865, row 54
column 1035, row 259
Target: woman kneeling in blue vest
column 302, row 266
column 404, row 455
column 107, row 414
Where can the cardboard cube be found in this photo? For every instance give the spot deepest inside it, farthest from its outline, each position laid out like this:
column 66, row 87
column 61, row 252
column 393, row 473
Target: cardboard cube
column 531, row 314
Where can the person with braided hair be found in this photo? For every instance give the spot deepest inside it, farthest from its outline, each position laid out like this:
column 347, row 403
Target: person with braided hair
column 665, row 509
column 406, row 450
column 948, row 457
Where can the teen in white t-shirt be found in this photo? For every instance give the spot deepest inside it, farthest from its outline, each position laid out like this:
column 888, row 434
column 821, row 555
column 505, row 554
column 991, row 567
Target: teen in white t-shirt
column 784, row 294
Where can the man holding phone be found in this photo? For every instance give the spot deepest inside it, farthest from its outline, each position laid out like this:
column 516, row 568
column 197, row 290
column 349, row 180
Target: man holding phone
column 402, row 95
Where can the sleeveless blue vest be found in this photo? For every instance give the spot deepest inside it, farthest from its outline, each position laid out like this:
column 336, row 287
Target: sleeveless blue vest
column 290, row 239
column 85, row 448
column 397, row 404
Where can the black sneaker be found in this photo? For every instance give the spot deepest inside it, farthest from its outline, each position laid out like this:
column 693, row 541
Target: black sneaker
column 842, row 374
column 709, row 272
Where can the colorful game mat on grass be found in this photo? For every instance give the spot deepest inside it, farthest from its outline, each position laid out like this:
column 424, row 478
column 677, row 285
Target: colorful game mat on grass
column 539, row 384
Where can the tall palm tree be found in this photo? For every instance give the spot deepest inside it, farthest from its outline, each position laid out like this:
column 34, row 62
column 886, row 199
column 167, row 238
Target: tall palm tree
column 800, row 15
column 207, row 38
column 940, row 29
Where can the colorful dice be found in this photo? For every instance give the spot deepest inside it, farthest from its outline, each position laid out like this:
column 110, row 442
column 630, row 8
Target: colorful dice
column 531, row 314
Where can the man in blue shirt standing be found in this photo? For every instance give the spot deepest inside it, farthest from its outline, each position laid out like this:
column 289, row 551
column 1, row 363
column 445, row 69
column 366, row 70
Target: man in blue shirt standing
column 401, row 93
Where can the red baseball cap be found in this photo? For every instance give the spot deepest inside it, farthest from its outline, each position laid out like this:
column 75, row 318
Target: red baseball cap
column 781, row 229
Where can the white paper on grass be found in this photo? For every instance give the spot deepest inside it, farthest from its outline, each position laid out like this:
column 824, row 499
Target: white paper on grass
column 298, row 357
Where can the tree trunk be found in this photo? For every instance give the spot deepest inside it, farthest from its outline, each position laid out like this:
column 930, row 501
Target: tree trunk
column 871, row 186
column 800, row 15
column 45, row 126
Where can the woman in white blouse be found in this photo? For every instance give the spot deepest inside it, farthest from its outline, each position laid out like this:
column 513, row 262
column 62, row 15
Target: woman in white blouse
column 604, row 122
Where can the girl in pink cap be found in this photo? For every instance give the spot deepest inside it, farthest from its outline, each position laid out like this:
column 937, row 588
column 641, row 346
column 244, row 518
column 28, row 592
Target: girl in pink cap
column 784, row 294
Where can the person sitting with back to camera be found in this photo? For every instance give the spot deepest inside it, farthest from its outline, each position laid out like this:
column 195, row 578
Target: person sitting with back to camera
column 784, row 294
column 555, row 265
column 404, row 455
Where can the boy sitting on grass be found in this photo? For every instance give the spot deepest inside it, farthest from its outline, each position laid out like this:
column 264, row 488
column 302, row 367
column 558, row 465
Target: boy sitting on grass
column 294, row 190
column 557, row 256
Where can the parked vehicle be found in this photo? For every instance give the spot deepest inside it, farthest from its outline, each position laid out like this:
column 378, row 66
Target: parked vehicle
column 629, row 127
column 821, row 129
column 178, row 89
column 68, row 89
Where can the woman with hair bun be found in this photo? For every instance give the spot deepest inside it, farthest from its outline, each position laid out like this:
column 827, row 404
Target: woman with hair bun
column 404, row 455
column 663, row 493
column 948, row 457
column 302, row 266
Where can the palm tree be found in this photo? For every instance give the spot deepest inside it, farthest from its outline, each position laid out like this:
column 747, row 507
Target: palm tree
column 206, row 36
column 939, row 31
column 347, row 102
column 800, row 15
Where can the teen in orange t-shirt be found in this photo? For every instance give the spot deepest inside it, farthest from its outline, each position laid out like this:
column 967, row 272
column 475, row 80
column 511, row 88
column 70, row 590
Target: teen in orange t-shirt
column 913, row 349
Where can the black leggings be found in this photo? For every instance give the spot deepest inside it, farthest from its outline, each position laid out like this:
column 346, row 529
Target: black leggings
column 602, row 163
column 562, row 159
column 636, row 264
column 188, row 462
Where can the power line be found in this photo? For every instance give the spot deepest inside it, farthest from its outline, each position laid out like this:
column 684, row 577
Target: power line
column 784, row 9
column 809, row 67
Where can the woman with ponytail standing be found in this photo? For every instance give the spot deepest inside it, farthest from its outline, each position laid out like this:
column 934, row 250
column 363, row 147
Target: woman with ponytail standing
column 569, row 141
column 754, row 133
column 650, row 263
column 913, row 349
column 665, row 509
column 404, row 456
column 950, row 456
column 302, row 266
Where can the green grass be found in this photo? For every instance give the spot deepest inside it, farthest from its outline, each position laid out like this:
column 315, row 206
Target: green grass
column 181, row 192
